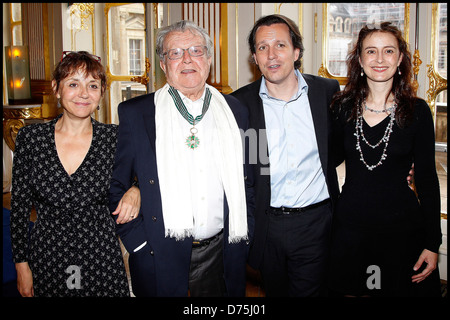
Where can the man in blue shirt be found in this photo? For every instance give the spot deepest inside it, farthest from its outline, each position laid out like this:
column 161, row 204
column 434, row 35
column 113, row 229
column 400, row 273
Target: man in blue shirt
column 295, row 174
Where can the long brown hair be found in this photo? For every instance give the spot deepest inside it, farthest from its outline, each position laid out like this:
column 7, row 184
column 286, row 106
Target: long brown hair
column 356, row 90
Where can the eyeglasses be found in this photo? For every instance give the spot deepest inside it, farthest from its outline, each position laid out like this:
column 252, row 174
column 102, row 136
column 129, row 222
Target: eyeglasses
column 65, row 53
column 178, row 53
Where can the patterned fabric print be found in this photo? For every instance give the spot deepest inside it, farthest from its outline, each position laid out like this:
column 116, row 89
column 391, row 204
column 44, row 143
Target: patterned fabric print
column 73, row 248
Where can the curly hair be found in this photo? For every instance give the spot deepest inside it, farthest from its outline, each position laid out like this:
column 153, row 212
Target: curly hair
column 357, row 90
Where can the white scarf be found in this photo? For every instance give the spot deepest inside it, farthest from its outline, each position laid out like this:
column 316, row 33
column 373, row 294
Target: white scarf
column 172, row 171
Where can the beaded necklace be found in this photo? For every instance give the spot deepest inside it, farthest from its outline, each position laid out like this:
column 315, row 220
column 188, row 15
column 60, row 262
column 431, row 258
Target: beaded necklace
column 378, row 111
column 360, row 134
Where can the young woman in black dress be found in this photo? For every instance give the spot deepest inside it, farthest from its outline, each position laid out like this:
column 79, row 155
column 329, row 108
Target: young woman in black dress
column 63, row 167
column 385, row 238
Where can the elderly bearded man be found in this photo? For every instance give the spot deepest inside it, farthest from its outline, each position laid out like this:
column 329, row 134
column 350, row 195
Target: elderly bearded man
column 184, row 145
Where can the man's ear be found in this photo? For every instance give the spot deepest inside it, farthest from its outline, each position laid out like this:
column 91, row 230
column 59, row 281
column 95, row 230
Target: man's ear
column 254, row 58
column 162, row 66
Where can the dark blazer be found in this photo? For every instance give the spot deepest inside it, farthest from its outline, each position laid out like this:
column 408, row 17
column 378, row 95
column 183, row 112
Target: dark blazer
column 320, row 93
column 170, row 259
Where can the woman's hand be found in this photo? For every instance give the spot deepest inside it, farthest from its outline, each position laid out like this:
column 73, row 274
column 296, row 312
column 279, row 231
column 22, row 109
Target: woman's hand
column 129, row 206
column 24, row 279
column 430, row 258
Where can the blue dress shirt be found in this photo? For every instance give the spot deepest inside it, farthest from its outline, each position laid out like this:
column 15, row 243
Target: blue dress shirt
column 297, row 178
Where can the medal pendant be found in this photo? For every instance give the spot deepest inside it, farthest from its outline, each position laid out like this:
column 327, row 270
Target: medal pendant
column 192, row 141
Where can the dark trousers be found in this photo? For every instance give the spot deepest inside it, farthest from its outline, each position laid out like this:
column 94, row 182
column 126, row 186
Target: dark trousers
column 206, row 275
column 296, row 253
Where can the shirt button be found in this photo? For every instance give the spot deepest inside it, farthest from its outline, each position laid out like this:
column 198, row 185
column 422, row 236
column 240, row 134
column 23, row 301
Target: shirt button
column 152, row 181
column 154, row 218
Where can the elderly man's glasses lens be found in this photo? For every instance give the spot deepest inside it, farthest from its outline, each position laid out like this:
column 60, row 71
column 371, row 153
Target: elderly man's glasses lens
column 178, row 53
column 66, row 53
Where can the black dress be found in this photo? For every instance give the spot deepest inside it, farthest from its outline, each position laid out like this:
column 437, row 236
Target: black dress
column 380, row 227
column 73, row 249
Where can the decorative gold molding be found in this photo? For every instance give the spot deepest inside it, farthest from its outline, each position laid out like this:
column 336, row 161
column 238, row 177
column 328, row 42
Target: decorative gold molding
column 155, row 13
column 144, row 79
column 323, row 72
column 437, row 83
column 13, row 120
column 407, row 14
column 83, row 11
column 10, row 129
column 416, row 67
column 224, row 86
column 22, row 113
column 315, row 27
column 300, row 17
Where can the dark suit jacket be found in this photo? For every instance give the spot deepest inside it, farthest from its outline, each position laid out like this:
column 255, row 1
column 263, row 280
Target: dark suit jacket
column 320, row 92
column 135, row 156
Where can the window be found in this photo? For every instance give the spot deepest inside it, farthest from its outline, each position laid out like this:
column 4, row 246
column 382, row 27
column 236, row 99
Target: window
column 135, row 54
column 339, row 24
column 16, row 24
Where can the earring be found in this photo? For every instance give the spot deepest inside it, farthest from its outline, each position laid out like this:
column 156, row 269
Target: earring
column 362, row 72
column 58, row 104
column 399, row 72
column 98, row 107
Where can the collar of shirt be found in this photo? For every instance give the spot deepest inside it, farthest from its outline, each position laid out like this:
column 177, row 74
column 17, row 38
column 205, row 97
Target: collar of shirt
column 194, row 107
column 302, row 88
column 296, row 175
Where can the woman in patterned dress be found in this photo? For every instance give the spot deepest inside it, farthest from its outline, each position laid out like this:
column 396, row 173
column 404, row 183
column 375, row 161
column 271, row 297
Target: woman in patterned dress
column 63, row 168
column 385, row 238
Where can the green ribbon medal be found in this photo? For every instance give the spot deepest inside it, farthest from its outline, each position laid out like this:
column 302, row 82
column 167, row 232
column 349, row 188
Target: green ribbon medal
column 191, row 141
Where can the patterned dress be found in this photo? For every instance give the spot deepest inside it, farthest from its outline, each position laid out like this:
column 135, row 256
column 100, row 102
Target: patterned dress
column 72, row 249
